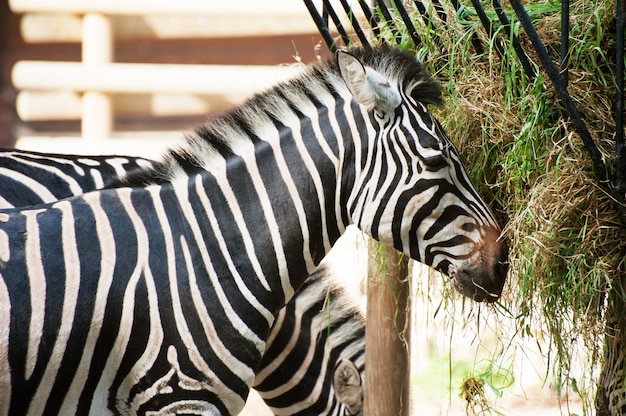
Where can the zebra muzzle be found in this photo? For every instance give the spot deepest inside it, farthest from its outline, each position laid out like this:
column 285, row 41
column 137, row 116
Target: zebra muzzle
column 484, row 281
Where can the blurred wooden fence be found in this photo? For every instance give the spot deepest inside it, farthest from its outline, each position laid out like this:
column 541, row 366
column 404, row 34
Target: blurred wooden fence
column 96, row 88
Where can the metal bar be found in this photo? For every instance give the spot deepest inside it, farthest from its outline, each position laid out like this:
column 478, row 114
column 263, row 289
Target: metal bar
column 521, row 54
column 322, row 25
column 476, row 43
column 407, row 21
column 355, row 24
column 388, row 19
column 384, row 10
column 564, row 41
column 440, row 10
column 488, row 25
column 566, row 99
column 620, row 161
column 333, row 15
column 422, row 10
column 370, row 17
column 425, row 17
column 429, row 22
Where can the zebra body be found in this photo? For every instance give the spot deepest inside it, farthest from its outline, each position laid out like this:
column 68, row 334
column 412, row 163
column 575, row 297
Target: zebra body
column 317, row 341
column 168, row 310
column 31, row 178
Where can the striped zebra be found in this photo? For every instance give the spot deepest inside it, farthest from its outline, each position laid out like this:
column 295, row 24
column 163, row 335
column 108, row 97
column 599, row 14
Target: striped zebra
column 314, row 362
column 307, row 353
column 31, row 178
column 232, row 223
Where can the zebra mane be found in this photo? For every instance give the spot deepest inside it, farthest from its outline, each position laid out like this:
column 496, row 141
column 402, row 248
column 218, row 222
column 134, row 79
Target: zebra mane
column 217, row 136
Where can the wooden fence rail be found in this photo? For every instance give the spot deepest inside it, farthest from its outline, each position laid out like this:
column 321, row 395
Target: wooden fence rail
column 91, row 86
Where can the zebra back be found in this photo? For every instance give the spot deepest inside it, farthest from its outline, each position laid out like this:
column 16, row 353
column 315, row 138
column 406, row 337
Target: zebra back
column 32, row 178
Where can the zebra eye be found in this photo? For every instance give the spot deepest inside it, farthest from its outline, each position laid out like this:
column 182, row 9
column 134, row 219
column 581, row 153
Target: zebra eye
column 435, row 162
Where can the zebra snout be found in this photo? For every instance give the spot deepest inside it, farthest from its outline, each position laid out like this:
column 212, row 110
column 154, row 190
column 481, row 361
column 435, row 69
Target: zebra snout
column 483, row 280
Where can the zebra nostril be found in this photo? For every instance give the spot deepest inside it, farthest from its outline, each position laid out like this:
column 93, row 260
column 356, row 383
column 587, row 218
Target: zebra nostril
column 503, row 269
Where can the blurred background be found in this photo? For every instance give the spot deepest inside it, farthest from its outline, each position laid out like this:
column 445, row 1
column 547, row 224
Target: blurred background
column 138, row 70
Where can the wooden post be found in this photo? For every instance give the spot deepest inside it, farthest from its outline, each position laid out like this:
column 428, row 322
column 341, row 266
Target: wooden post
column 97, row 117
column 387, row 333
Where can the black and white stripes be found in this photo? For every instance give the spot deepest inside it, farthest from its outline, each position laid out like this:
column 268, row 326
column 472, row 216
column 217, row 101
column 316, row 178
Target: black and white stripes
column 304, row 351
column 158, row 297
column 31, row 178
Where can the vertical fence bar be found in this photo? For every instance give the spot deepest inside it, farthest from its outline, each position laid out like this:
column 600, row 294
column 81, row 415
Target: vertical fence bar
column 355, row 23
column 97, row 49
column 370, row 17
column 440, row 10
column 388, row 19
column 387, row 360
column 407, row 22
column 521, row 54
column 333, row 15
column 488, row 25
column 476, row 43
column 425, row 16
column 429, row 22
column 322, row 25
column 563, row 94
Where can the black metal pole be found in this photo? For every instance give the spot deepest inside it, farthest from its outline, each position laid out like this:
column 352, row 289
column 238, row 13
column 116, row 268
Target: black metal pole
column 561, row 90
column 429, row 22
column 333, row 15
column 355, row 23
column 521, row 54
column 371, row 17
column 422, row 9
column 488, row 25
column 568, row 103
column 407, row 22
column 388, row 19
column 476, row 43
column 322, row 26
column 440, row 10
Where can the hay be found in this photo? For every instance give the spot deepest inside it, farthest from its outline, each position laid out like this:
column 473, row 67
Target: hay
column 567, row 240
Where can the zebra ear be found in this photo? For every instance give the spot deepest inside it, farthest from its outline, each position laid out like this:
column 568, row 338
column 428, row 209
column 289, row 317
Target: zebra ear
column 369, row 88
column 347, row 385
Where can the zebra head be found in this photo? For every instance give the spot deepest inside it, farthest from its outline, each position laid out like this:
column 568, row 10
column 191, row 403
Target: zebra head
column 412, row 191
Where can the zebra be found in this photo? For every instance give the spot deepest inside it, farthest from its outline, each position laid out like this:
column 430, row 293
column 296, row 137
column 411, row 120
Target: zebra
column 32, row 178
column 313, row 362
column 233, row 222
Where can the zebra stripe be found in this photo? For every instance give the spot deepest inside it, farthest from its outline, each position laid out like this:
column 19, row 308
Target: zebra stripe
column 306, row 344
column 31, row 178
column 369, row 88
column 296, row 332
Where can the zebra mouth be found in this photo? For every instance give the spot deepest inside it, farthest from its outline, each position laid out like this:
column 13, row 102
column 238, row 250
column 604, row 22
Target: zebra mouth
column 464, row 283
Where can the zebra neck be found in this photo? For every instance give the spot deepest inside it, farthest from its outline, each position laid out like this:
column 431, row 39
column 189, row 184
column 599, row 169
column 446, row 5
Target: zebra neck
column 285, row 184
column 273, row 222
